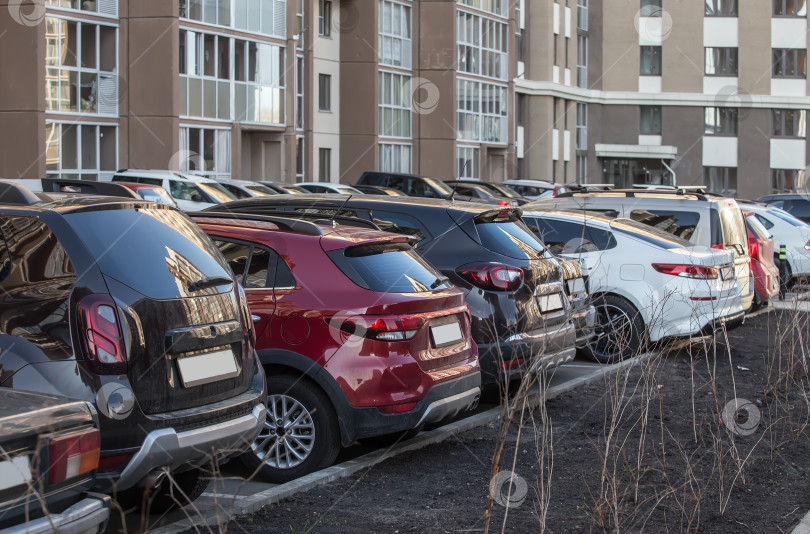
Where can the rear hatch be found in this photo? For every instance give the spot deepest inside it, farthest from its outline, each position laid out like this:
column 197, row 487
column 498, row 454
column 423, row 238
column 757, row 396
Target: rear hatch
column 735, row 238
column 412, row 306
column 177, row 303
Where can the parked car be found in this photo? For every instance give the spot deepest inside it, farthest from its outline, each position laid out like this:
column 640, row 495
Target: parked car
column 50, row 455
column 761, row 251
column 646, row 284
column 537, row 189
column 376, row 190
column 152, row 193
column 715, row 222
column 190, row 192
column 414, row 186
column 498, row 189
column 283, row 188
column 326, row 187
column 521, row 320
column 247, row 189
column 583, row 311
column 478, row 193
column 359, row 336
column 789, row 231
column 128, row 305
column 797, row 205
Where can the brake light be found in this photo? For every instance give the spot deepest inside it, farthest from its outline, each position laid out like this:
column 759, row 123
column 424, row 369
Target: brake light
column 504, row 203
column 492, row 276
column 687, row 271
column 753, row 248
column 101, row 333
column 807, row 246
column 719, row 246
column 73, row 455
column 380, row 327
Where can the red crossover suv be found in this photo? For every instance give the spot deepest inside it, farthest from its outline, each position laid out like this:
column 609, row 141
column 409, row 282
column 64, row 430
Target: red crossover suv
column 364, row 338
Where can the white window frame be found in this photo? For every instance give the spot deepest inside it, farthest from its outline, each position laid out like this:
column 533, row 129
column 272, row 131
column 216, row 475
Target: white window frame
column 391, row 38
column 80, row 171
column 389, row 104
column 222, row 155
column 471, row 155
column 393, row 157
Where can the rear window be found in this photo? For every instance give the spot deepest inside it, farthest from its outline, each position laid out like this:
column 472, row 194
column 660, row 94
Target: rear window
column 798, row 208
column 787, row 217
column 388, row 268
column 510, row 237
column 216, row 191
column 261, row 190
column 758, row 228
column 733, row 228
column 157, row 252
column 649, row 234
column 564, row 237
column 679, row 223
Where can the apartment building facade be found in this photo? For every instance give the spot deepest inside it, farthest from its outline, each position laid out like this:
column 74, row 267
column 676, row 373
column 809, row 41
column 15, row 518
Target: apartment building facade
column 287, row 90
column 691, row 92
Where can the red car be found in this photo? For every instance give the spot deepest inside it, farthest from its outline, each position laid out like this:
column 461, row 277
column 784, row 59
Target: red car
column 364, row 338
column 760, row 248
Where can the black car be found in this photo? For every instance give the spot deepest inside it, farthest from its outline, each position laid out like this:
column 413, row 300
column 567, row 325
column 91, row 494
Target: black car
column 521, row 318
column 414, row 186
column 50, row 449
column 283, row 188
column 377, row 190
column 796, row 205
column 128, row 305
column 487, row 190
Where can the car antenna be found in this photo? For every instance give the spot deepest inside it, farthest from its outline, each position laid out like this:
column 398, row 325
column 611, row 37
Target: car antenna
column 332, row 220
column 464, row 168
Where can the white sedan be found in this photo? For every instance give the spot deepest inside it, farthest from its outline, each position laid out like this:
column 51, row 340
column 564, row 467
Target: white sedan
column 786, row 230
column 646, row 284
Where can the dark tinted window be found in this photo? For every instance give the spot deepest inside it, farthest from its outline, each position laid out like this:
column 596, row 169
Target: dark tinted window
column 765, row 222
column 258, row 268
column 510, row 237
column 236, row 254
column 389, row 268
column 235, row 191
column 374, row 179
column 284, row 277
column 563, row 237
column 649, row 234
column 680, row 223
column 798, row 208
column 157, row 252
column 400, row 224
column 150, row 181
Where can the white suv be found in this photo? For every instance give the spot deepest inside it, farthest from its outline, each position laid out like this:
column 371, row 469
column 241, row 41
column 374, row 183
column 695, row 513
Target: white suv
column 190, row 192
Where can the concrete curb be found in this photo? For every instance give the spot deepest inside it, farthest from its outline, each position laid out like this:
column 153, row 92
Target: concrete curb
column 251, row 503
column 804, row 525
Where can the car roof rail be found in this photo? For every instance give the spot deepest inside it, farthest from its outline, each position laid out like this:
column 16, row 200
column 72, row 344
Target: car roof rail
column 87, row 187
column 13, row 193
column 326, row 218
column 633, row 193
column 291, row 224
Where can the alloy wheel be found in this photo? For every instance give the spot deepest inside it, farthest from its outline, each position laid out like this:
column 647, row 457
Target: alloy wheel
column 288, row 436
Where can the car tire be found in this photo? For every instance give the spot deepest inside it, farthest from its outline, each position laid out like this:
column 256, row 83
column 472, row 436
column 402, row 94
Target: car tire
column 294, row 403
column 174, row 491
column 619, row 332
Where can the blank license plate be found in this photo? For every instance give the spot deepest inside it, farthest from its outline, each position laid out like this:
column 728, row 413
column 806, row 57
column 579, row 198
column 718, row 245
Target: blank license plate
column 550, row 302
column 205, row 368
column 727, row 273
column 15, row 472
column 576, row 286
column 446, row 334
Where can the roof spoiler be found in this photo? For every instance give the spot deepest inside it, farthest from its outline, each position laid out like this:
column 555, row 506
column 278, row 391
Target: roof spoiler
column 13, row 193
column 87, row 187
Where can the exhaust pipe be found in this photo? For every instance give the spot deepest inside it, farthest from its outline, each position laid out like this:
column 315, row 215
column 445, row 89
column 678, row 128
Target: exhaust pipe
column 153, row 479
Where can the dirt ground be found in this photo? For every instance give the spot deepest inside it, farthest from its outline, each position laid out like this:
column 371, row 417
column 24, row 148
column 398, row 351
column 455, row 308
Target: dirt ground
column 657, row 448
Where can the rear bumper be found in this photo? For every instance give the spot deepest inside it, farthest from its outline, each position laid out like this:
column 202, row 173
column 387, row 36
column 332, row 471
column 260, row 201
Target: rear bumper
column 443, row 400
column 530, row 351
column 89, row 515
column 584, row 323
column 167, row 448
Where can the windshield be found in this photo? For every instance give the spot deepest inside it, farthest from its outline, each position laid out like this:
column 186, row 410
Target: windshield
column 260, row 190
column 156, row 251
column 785, row 216
column 388, row 268
column 216, row 192
column 440, row 186
column 649, row 234
column 157, row 194
column 504, row 190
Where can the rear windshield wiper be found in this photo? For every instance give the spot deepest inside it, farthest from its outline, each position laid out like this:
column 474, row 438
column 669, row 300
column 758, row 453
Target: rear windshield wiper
column 439, row 281
column 209, row 282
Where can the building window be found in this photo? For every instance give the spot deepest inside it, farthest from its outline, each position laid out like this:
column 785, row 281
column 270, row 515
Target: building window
column 721, row 62
column 209, row 11
column 80, row 67
column 81, row 151
column 720, row 122
column 209, row 151
column 721, row 8
column 721, row 180
column 395, row 34
column 789, row 8
column 301, row 21
column 300, row 157
column 496, row 7
column 582, row 126
column 299, row 92
column 324, row 92
column 650, row 61
column 650, row 120
column 251, row 91
column 467, row 157
column 789, row 123
column 789, row 63
column 650, row 8
column 325, row 18
column 481, row 111
column 394, row 105
column 325, row 164
column 268, row 17
column 482, row 46
column 582, row 15
column 395, row 157
column 103, row 8
column 582, row 169
column 582, row 61
column 787, row 180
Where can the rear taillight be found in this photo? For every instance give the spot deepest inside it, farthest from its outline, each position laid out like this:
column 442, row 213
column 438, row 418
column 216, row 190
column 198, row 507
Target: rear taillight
column 753, row 249
column 687, row 271
column 380, row 327
column 73, row 455
column 807, row 246
column 101, row 333
column 719, row 246
column 504, row 203
column 492, row 276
